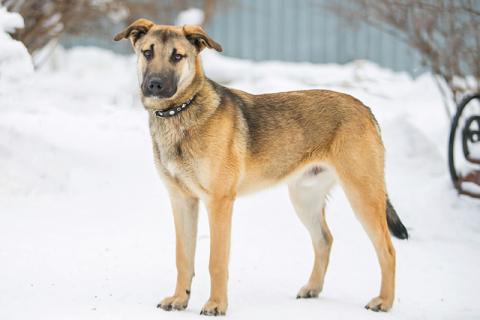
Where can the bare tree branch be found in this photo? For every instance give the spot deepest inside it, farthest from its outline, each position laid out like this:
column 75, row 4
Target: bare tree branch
column 46, row 21
column 444, row 32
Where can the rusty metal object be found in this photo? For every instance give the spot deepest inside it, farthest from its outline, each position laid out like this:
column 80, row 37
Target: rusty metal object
column 470, row 134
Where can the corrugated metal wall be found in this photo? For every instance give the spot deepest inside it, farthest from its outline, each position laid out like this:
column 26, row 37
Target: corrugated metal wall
column 303, row 30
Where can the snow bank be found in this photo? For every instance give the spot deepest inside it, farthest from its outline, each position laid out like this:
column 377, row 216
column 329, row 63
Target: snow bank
column 15, row 62
column 293, row 76
column 9, row 21
column 81, row 202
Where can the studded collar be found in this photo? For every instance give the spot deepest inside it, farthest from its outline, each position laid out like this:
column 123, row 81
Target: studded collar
column 172, row 111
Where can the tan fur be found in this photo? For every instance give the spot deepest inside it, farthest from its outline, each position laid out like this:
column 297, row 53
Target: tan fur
column 229, row 142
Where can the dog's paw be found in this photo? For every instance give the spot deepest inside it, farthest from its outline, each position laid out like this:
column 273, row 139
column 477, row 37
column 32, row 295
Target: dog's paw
column 214, row 308
column 379, row 304
column 308, row 292
column 174, row 303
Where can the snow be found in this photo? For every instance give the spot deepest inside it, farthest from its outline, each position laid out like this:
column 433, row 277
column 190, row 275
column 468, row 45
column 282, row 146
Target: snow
column 15, row 63
column 86, row 228
column 9, row 21
column 192, row 16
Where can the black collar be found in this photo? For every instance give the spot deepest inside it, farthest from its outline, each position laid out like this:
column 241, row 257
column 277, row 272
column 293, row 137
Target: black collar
column 170, row 112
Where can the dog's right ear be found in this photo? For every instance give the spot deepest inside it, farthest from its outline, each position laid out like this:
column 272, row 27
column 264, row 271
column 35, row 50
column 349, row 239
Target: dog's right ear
column 135, row 31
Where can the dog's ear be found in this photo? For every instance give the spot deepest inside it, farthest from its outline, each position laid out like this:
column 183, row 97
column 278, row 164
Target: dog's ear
column 200, row 39
column 135, row 31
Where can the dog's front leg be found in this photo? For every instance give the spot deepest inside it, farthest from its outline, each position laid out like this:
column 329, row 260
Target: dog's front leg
column 185, row 213
column 220, row 220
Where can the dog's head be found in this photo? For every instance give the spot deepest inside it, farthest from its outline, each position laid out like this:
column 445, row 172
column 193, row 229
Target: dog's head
column 167, row 56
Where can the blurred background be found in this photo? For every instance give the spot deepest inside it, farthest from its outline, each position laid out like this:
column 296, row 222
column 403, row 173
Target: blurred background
column 409, row 35
column 85, row 223
column 303, row 30
column 320, row 31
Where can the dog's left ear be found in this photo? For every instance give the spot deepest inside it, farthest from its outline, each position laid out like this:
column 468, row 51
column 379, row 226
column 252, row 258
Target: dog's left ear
column 200, row 39
column 135, row 31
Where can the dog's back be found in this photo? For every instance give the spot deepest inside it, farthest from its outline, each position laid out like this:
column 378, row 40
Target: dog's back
column 294, row 128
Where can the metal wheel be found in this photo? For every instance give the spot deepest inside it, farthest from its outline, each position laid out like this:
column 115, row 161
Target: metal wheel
column 464, row 147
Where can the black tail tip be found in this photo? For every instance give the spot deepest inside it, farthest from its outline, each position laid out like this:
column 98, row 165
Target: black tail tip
column 396, row 227
column 398, row 231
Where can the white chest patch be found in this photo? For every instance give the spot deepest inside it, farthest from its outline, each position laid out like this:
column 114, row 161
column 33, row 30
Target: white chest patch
column 172, row 168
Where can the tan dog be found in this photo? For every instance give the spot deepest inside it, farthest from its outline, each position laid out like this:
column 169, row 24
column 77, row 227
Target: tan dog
column 214, row 143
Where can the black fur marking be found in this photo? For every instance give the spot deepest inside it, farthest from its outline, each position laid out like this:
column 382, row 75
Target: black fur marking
column 197, row 40
column 316, row 170
column 253, row 124
column 140, row 32
column 135, row 32
column 178, row 151
column 165, row 35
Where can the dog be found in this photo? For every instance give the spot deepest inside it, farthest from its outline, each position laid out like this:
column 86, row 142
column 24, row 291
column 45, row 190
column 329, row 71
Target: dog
column 213, row 143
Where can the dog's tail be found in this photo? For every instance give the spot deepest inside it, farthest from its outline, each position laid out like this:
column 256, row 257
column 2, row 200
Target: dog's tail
column 397, row 229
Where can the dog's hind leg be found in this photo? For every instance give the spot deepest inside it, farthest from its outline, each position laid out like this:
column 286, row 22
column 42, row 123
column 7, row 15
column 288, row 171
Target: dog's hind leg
column 308, row 194
column 359, row 163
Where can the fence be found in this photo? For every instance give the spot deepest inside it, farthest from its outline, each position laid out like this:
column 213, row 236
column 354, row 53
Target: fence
column 294, row 30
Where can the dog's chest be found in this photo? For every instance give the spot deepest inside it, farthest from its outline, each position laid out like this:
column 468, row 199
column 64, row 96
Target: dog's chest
column 175, row 159
column 182, row 161
column 173, row 168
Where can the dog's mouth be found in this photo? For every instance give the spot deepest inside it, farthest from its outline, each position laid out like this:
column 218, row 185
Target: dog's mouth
column 166, row 94
column 155, row 97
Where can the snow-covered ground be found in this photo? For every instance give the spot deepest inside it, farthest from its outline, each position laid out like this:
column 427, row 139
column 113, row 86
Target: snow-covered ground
column 86, row 230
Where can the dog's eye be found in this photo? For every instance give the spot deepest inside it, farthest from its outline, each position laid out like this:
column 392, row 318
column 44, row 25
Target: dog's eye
column 148, row 54
column 177, row 57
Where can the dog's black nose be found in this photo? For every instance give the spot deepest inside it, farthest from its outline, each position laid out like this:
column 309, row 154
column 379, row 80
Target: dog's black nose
column 155, row 86
column 159, row 86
